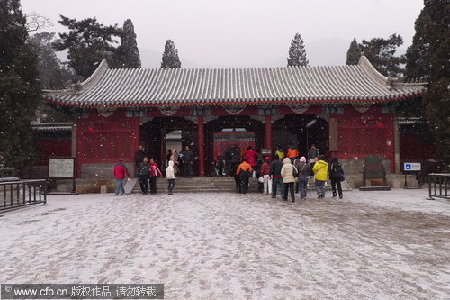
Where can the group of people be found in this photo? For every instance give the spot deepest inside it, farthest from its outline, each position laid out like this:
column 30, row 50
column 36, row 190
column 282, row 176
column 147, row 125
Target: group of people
column 183, row 161
column 288, row 172
column 147, row 170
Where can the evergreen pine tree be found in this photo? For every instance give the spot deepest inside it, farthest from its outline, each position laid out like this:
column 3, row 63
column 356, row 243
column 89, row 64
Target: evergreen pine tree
column 127, row 54
column 418, row 54
column 297, row 53
column 170, row 56
column 353, row 53
column 437, row 97
column 88, row 43
column 20, row 87
column 381, row 53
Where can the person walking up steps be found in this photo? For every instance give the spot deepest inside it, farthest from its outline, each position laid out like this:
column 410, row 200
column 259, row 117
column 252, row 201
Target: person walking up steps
column 170, row 175
column 244, row 171
column 320, row 170
column 275, row 175
column 265, row 173
column 251, row 157
column 336, row 176
column 288, row 172
column 303, row 177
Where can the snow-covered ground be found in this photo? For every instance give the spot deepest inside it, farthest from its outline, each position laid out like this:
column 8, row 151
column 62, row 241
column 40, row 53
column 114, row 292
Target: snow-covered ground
column 377, row 245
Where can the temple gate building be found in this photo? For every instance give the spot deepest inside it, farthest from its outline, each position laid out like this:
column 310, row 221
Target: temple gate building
column 345, row 111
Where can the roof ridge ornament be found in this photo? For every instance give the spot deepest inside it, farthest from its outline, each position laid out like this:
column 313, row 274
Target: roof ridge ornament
column 95, row 77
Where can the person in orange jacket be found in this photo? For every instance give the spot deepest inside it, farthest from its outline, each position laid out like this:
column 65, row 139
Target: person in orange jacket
column 292, row 153
column 243, row 172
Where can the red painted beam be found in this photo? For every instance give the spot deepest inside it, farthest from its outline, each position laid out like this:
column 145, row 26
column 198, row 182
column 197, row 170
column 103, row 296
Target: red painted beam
column 268, row 131
column 201, row 146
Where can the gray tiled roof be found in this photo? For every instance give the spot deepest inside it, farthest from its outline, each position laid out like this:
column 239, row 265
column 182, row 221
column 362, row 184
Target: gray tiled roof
column 51, row 126
column 140, row 87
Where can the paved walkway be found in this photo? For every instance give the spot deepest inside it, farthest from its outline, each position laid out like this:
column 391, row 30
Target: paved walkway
column 378, row 245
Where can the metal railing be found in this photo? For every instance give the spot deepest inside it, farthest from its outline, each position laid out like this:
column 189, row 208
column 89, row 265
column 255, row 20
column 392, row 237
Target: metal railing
column 22, row 192
column 438, row 186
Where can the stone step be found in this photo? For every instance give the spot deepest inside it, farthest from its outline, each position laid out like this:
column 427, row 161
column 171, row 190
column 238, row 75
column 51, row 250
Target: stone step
column 216, row 184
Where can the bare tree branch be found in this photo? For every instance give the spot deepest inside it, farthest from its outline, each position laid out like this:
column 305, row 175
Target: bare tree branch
column 36, row 22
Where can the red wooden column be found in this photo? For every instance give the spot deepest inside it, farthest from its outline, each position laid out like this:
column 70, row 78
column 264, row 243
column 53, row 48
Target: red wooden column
column 268, row 131
column 201, row 146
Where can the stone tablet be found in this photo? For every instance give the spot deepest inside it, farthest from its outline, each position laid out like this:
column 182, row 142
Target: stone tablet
column 373, row 167
column 374, row 170
column 61, row 167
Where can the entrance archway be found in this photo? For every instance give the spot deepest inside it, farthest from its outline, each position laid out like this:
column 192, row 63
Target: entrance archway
column 246, row 129
column 301, row 131
column 162, row 133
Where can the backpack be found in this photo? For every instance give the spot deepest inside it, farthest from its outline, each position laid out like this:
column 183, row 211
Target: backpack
column 140, row 171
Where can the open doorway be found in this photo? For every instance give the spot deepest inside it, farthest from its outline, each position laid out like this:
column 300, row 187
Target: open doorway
column 225, row 132
column 164, row 133
column 301, row 131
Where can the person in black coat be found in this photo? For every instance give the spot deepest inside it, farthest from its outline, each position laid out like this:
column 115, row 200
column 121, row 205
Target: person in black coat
column 233, row 158
column 275, row 175
column 139, row 155
column 143, row 175
column 336, row 174
column 187, row 159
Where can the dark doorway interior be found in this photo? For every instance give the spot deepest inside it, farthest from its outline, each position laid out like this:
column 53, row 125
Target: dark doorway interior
column 161, row 133
column 301, row 131
column 230, row 124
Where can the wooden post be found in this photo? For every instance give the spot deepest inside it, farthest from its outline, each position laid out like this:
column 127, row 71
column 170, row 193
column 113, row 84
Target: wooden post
column 268, row 131
column 396, row 146
column 201, row 146
column 333, row 137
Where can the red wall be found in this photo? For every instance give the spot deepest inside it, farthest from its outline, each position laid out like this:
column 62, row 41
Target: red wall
column 364, row 134
column 106, row 140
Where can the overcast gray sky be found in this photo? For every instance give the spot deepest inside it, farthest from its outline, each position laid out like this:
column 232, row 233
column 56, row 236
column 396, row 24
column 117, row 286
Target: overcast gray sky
column 244, row 33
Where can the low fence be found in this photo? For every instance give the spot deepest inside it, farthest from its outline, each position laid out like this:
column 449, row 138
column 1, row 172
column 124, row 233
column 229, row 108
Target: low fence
column 22, row 192
column 438, row 185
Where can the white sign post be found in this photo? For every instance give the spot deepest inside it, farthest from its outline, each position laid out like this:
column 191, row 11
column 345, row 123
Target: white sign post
column 411, row 167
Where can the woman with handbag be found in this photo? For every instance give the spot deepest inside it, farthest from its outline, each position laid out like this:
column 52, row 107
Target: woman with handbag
column 336, row 176
column 288, row 172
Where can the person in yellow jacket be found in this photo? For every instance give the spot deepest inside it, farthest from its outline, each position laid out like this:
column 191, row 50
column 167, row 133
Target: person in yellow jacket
column 280, row 152
column 320, row 170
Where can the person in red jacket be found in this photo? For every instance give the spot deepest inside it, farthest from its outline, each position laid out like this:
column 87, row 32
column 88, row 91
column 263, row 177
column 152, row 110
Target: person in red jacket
column 154, row 174
column 251, row 156
column 120, row 173
column 265, row 173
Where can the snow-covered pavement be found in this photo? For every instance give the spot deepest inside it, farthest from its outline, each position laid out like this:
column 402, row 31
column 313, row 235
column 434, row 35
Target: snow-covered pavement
column 377, row 245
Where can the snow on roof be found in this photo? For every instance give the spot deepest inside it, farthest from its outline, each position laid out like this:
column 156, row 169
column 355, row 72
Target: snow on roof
column 314, row 85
